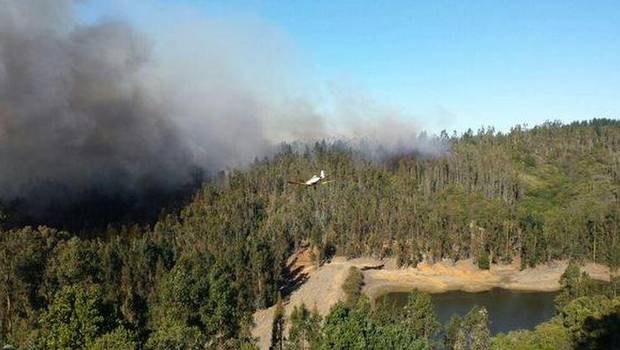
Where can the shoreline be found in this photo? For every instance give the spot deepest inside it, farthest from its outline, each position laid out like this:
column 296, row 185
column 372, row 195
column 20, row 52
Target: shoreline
column 464, row 276
column 322, row 286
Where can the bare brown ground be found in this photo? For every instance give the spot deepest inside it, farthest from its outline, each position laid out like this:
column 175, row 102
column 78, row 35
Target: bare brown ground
column 322, row 286
column 464, row 275
column 321, row 290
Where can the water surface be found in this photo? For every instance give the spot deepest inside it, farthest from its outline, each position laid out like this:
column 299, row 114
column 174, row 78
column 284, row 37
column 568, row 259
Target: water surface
column 508, row 310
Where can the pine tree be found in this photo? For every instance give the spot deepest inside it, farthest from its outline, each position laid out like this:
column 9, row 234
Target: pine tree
column 419, row 315
column 75, row 319
column 452, row 330
column 277, row 330
column 574, row 283
column 481, row 336
column 460, row 342
column 352, row 285
column 304, row 333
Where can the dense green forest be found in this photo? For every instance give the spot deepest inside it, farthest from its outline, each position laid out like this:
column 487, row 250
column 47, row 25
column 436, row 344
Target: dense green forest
column 193, row 278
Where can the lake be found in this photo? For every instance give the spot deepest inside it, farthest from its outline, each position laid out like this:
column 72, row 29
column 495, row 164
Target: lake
column 508, row 310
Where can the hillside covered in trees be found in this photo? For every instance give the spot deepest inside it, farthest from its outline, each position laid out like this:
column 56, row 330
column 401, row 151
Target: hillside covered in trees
column 195, row 276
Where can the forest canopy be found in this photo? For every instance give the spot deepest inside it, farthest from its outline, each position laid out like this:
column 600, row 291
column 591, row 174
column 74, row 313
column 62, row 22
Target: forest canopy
column 196, row 274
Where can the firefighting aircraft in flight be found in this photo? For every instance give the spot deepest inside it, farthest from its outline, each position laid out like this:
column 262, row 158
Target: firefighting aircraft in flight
column 314, row 180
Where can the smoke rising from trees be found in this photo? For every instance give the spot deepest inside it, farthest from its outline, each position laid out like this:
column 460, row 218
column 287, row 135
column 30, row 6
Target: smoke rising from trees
column 104, row 107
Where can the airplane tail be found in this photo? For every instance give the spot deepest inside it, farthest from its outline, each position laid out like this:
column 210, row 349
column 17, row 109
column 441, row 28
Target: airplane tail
column 322, row 174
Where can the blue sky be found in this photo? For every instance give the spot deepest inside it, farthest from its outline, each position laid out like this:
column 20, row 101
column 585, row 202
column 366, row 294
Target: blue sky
column 449, row 64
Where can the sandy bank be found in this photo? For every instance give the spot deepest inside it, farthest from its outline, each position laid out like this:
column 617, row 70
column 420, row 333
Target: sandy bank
column 464, row 275
column 322, row 289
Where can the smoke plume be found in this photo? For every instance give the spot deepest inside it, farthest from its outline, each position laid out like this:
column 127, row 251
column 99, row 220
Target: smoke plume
column 102, row 110
column 75, row 113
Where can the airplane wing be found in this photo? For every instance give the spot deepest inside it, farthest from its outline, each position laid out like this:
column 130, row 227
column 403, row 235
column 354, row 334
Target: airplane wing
column 297, row 183
column 326, row 182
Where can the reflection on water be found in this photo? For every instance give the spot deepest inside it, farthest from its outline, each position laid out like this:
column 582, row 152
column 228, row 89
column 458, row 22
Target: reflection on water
column 508, row 310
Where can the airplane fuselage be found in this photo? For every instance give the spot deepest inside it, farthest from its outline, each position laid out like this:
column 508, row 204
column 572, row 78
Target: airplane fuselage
column 313, row 181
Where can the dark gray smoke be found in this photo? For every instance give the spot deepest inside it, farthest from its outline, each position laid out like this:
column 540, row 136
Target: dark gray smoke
column 74, row 113
column 101, row 113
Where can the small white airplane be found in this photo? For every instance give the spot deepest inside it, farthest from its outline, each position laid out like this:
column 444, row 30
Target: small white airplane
column 314, row 180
